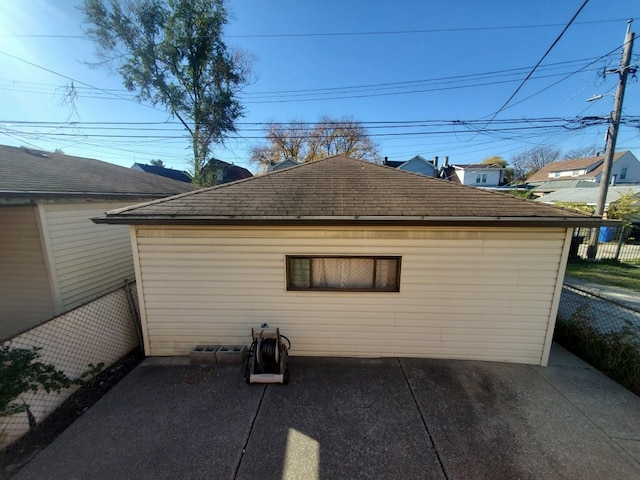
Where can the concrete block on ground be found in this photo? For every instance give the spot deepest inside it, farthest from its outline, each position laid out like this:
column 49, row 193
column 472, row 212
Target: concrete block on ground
column 230, row 354
column 204, row 354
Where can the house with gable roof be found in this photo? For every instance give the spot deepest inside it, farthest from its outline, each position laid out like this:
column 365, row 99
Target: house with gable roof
column 478, row 175
column 350, row 258
column 625, row 169
column 416, row 164
column 52, row 257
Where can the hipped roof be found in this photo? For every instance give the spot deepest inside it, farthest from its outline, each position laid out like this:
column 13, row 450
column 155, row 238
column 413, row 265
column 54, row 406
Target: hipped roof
column 341, row 190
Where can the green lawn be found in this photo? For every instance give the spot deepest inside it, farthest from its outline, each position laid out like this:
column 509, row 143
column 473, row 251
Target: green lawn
column 606, row 272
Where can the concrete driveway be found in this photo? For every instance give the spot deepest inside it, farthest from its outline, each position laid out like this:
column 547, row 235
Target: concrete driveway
column 355, row 418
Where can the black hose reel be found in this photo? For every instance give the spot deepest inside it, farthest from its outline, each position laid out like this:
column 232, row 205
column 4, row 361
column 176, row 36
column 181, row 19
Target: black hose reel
column 268, row 356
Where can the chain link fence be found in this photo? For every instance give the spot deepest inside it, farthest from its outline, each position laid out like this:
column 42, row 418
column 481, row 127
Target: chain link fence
column 603, row 332
column 614, row 243
column 87, row 339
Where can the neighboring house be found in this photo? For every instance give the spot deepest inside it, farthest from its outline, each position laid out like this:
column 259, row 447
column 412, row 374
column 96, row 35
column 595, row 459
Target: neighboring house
column 625, row 169
column 52, row 257
column 416, row 164
column 223, row 172
column 477, row 175
column 349, row 258
column 273, row 167
column 163, row 172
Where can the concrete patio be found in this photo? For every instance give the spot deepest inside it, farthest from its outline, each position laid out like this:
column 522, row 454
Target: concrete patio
column 355, row 418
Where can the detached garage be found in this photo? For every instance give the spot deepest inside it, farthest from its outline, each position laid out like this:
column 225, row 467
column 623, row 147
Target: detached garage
column 350, row 258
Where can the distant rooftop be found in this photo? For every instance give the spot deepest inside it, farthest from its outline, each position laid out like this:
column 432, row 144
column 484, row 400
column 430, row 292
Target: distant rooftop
column 26, row 172
column 163, row 172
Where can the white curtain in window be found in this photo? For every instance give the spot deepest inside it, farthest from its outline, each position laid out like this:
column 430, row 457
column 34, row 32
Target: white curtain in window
column 342, row 272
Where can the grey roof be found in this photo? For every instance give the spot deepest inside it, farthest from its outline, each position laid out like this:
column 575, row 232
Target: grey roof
column 281, row 165
column 588, row 195
column 163, row 172
column 34, row 173
column 553, row 185
column 228, row 172
column 344, row 190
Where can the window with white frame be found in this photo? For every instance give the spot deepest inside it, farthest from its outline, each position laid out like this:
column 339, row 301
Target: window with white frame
column 349, row 273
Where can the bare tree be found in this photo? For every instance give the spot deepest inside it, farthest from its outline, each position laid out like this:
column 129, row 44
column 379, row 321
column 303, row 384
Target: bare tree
column 530, row 161
column 302, row 142
column 341, row 137
column 579, row 152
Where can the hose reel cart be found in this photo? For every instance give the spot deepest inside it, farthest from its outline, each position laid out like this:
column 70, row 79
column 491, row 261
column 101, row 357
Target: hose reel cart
column 268, row 356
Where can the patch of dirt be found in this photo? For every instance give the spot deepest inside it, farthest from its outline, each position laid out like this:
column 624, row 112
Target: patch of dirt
column 18, row 454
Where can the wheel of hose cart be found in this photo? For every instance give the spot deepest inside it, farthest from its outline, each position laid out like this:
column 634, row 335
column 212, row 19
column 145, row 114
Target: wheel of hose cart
column 285, row 376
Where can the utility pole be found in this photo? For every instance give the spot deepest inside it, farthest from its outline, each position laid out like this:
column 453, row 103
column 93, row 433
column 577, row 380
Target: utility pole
column 612, row 135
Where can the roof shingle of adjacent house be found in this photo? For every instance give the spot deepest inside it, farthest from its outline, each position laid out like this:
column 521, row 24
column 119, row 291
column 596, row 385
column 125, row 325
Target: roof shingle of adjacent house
column 593, row 164
column 343, row 190
column 34, row 173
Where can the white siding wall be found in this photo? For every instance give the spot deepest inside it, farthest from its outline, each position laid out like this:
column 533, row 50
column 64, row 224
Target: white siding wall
column 476, row 294
column 88, row 260
column 469, row 177
column 25, row 294
column 632, row 165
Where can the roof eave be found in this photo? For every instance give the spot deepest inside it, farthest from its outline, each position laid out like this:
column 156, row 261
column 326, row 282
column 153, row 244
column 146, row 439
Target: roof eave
column 357, row 220
column 110, row 195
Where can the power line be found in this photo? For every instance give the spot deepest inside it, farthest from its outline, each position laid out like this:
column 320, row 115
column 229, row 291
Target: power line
column 14, row 85
column 76, row 81
column 351, row 34
column 381, row 129
column 583, row 69
column 584, row 4
column 410, row 92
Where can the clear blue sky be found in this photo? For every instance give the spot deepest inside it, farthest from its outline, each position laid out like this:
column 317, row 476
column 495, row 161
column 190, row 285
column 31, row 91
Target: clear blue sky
column 381, row 62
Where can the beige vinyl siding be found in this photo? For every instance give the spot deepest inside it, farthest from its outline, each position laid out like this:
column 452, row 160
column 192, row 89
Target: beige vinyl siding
column 464, row 293
column 25, row 294
column 88, row 259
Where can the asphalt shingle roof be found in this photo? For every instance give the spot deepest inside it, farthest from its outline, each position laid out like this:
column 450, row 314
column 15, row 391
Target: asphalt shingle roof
column 573, row 164
column 27, row 172
column 341, row 189
column 163, row 172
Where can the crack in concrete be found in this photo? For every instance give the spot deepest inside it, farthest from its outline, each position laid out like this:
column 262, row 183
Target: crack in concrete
column 424, row 422
column 246, row 443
